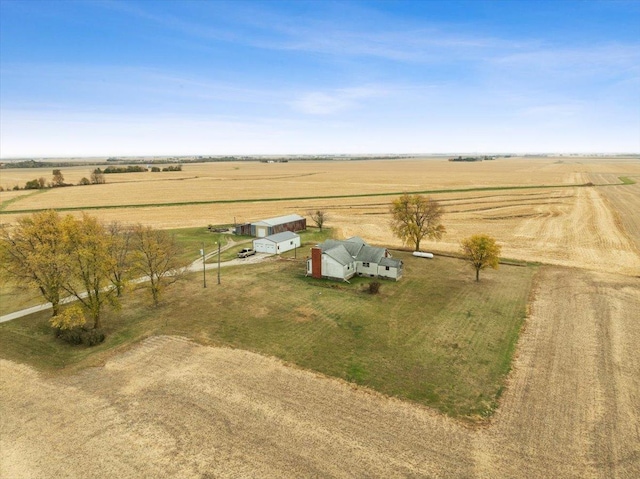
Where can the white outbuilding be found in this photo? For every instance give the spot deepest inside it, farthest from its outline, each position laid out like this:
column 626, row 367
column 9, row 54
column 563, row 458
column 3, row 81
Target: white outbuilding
column 277, row 243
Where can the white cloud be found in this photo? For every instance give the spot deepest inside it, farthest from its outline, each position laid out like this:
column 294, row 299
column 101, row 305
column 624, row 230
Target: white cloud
column 334, row 101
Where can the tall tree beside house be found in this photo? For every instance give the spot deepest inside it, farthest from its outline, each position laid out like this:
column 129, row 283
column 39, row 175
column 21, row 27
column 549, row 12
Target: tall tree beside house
column 319, row 217
column 415, row 217
column 156, row 256
column 34, row 253
column 88, row 248
column 481, row 251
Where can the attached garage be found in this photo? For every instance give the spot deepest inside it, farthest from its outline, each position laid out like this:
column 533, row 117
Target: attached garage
column 278, row 243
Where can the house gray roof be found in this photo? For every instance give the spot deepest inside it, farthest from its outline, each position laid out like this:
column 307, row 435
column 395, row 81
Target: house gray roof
column 370, row 254
column 353, row 247
column 392, row 262
column 284, row 236
column 340, row 254
column 327, row 245
column 279, row 220
column 356, row 239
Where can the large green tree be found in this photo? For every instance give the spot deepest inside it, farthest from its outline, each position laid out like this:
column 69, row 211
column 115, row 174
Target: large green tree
column 34, row 253
column 415, row 217
column 481, row 251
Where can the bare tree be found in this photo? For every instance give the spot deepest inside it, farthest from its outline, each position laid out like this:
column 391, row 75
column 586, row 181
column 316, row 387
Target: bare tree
column 319, row 217
column 58, row 178
column 97, row 177
column 156, row 255
column 120, row 253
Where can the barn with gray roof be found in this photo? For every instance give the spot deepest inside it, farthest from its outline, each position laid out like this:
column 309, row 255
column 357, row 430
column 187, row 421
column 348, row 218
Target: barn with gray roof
column 271, row 226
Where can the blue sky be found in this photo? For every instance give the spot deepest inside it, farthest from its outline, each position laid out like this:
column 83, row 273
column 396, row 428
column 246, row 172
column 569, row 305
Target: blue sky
column 105, row 78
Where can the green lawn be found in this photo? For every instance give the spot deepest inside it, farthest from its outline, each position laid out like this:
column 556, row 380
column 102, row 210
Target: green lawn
column 626, row 180
column 436, row 337
column 192, row 239
column 14, row 298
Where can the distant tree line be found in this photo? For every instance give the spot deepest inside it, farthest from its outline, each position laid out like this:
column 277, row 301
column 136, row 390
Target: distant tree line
column 472, row 158
column 156, row 169
column 122, row 169
column 96, row 177
column 57, row 181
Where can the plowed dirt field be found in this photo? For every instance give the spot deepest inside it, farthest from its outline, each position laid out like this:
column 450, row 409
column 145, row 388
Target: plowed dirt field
column 172, row 408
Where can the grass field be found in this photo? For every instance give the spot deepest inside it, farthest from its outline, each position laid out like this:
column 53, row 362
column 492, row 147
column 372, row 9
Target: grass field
column 437, row 337
column 15, row 297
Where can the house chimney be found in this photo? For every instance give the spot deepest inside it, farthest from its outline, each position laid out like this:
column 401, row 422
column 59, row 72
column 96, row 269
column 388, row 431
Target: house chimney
column 316, row 262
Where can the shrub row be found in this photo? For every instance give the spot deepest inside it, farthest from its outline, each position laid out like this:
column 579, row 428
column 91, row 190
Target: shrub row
column 88, row 337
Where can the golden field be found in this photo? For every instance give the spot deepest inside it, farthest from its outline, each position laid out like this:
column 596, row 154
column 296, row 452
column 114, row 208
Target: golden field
column 593, row 227
column 168, row 407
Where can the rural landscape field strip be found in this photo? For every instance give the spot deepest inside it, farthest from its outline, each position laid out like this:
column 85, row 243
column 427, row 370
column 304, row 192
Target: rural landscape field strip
column 171, row 407
column 292, row 198
column 624, row 202
column 570, row 409
column 168, row 406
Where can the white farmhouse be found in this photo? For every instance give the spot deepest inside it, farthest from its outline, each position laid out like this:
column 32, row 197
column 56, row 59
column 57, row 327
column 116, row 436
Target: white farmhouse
column 341, row 260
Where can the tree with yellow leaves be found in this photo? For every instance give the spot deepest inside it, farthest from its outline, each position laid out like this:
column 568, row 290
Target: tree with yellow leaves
column 481, row 251
column 156, row 255
column 34, row 253
column 415, row 217
column 88, row 248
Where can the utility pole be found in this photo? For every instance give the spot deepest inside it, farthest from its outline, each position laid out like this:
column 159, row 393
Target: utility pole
column 204, row 271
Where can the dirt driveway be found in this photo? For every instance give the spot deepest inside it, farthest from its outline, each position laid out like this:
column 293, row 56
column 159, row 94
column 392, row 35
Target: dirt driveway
column 172, row 408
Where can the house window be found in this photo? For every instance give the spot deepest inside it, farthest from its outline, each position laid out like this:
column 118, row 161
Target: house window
column 365, row 265
column 387, row 268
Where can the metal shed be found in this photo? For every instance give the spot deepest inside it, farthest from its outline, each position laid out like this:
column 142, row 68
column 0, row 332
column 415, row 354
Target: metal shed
column 278, row 243
column 271, row 226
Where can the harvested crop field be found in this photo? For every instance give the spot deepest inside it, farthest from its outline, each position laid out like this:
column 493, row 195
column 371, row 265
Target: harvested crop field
column 172, row 408
column 551, row 221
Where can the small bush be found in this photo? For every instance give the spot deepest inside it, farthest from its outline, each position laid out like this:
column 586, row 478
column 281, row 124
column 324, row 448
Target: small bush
column 84, row 181
column 92, row 337
column 155, row 169
column 76, row 336
column 33, row 185
column 374, row 287
column 71, row 336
